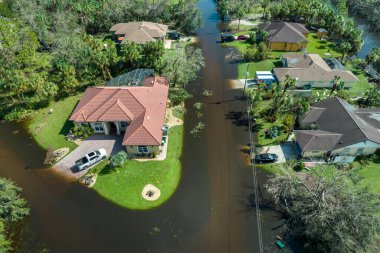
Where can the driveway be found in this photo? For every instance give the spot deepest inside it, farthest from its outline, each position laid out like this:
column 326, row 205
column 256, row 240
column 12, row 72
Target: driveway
column 111, row 143
column 286, row 151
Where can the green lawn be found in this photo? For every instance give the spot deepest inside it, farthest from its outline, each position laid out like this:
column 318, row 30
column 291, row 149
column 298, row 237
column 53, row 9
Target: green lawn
column 49, row 130
column 265, row 65
column 321, row 47
column 370, row 175
column 123, row 186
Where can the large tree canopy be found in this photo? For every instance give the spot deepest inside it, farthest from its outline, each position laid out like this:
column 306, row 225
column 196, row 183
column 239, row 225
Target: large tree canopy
column 326, row 209
column 319, row 14
column 52, row 49
column 24, row 80
column 182, row 65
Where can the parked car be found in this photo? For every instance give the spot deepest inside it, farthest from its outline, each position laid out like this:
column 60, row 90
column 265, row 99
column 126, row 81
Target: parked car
column 242, row 37
column 91, row 159
column 174, row 36
column 227, row 37
column 265, row 158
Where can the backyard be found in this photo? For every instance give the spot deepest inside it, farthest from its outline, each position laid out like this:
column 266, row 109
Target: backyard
column 49, row 129
column 124, row 185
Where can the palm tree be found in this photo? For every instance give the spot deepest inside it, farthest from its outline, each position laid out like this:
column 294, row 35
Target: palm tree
column 295, row 105
column 337, row 85
column 290, row 82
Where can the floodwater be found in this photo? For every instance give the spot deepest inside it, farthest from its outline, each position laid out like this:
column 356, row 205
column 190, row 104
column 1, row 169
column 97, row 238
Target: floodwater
column 371, row 39
column 211, row 210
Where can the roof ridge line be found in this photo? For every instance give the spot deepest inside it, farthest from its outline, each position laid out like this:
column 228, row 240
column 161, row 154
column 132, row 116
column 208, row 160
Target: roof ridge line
column 108, row 99
column 101, row 90
column 149, row 131
column 124, row 108
column 356, row 123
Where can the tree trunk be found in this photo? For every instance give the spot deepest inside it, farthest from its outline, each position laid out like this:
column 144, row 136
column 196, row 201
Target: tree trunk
column 332, row 91
column 239, row 25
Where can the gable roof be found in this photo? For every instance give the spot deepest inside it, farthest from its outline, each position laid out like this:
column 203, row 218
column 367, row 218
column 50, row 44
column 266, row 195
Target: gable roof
column 139, row 32
column 310, row 67
column 284, row 32
column 339, row 117
column 316, row 140
column 143, row 106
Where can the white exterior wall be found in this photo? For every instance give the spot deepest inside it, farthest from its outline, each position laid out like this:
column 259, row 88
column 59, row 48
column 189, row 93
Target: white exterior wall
column 133, row 150
column 321, row 84
column 314, row 154
column 368, row 147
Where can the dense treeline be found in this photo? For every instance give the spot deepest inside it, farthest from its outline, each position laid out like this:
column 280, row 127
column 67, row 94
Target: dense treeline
column 13, row 208
column 368, row 9
column 318, row 14
column 52, row 49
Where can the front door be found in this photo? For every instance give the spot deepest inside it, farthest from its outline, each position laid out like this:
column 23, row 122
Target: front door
column 113, row 128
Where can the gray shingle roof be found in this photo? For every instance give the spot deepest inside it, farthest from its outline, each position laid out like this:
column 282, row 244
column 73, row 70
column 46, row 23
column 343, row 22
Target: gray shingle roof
column 338, row 117
column 317, row 140
column 284, row 32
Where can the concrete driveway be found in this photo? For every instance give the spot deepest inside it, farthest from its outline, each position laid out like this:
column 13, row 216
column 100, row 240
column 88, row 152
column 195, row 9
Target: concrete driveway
column 111, row 143
column 286, row 151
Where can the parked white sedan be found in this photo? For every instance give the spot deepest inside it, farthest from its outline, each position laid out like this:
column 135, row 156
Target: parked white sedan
column 91, row 159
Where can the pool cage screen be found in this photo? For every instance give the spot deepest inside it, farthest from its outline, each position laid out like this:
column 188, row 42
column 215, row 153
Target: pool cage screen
column 133, row 78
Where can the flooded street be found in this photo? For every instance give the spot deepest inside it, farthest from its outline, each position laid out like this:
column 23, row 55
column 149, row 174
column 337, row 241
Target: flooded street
column 211, row 210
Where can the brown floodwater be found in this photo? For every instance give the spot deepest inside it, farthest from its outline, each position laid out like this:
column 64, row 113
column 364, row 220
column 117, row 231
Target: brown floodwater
column 211, row 211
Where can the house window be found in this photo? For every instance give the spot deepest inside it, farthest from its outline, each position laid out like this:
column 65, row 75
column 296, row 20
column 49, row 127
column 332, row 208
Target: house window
column 360, row 151
column 143, row 149
column 123, row 124
column 98, row 127
column 83, row 124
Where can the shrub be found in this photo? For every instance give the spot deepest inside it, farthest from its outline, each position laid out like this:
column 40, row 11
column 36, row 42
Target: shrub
column 273, row 132
column 288, row 121
column 178, row 96
column 119, row 159
column 298, row 166
column 250, row 54
column 82, row 132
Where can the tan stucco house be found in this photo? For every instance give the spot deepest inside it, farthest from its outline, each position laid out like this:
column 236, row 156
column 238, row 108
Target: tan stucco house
column 311, row 70
column 334, row 128
column 138, row 112
column 139, row 32
column 285, row 36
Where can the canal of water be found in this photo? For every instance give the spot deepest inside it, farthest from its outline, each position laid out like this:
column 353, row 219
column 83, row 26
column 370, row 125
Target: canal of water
column 211, row 211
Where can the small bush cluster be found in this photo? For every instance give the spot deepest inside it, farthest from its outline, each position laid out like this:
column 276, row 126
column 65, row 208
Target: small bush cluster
column 273, row 132
column 82, row 132
column 119, row 159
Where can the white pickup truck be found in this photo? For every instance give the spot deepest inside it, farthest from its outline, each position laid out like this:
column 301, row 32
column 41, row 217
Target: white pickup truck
column 91, row 158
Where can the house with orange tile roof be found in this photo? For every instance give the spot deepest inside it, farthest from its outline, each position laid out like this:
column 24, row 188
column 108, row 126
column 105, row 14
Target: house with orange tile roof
column 138, row 112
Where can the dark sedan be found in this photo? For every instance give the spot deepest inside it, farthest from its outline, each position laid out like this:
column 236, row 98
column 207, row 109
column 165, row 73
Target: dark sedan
column 265, row 158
